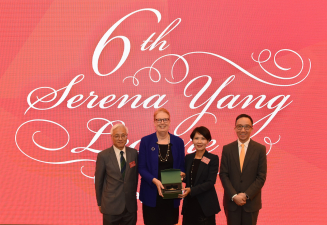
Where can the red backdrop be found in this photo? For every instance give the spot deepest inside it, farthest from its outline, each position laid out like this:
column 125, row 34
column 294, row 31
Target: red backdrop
column 63, row 84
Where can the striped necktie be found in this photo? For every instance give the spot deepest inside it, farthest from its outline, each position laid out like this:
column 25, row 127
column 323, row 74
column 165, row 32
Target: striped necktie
column 122, row 164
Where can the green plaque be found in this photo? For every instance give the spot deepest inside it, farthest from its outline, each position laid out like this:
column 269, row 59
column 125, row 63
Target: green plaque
column 171, row 180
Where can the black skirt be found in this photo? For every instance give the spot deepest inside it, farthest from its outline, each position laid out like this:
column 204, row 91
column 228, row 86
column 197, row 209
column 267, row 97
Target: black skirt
column 163, row 214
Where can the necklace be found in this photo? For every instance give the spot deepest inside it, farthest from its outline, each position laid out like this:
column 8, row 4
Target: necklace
column 167, row 154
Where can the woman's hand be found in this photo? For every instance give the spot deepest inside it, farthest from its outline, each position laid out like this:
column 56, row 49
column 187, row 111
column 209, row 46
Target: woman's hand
column 159, row 186
column 186, row 192
column 182, row 175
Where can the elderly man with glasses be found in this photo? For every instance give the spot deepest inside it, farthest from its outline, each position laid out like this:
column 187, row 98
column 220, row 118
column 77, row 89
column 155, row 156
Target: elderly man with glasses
column 116, row 180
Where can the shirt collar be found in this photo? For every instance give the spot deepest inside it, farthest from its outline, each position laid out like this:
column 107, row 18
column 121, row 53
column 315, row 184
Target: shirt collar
column 117, row 150
column 246, row 144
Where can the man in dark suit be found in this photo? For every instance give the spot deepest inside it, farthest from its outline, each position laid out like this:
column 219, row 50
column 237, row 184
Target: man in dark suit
column 116, row 180
column 243, row 173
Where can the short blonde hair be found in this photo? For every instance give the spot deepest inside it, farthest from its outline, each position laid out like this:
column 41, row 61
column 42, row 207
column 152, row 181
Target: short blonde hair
column 116, row 126
column 160, row 110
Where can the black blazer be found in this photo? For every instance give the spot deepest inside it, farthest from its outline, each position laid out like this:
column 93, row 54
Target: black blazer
column 249, row 181
column 204, row 185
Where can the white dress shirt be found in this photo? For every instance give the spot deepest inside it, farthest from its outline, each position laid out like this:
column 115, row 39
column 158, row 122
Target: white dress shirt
column 117, row 152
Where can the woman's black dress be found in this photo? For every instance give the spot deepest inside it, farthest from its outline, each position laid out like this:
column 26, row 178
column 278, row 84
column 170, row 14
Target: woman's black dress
column 164, row 213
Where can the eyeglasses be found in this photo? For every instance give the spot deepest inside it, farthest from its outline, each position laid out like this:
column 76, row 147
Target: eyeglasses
column 165, row 120
column 123, row 136
column 246, row 127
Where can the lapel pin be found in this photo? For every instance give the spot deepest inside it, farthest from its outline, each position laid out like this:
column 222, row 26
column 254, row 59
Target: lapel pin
column 153, row 148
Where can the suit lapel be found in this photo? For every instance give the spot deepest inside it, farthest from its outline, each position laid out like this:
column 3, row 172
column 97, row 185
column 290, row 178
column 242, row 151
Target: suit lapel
column 175, row 152
column 236, row 156
column 201, row 167
column 154, row 153
column 248, row 155
column 128, row 160
column 113, row 159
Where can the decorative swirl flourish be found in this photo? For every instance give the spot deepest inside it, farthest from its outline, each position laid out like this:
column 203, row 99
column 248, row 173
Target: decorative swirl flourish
column 260, row 61
column 136, row 81
column 268, row 141
column 50, row 149
column 277, row 65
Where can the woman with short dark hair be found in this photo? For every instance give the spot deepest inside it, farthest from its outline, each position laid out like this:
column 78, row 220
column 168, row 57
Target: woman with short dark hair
column 200, row 204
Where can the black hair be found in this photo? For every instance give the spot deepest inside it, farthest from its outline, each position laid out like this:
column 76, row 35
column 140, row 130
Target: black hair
column 244, row 115
column 203, row 131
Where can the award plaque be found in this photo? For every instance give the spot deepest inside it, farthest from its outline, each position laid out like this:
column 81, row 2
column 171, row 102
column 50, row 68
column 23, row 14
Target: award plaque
column 171, row 180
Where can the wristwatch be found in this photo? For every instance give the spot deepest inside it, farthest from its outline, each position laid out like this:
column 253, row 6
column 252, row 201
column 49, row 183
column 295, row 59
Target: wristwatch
column 247, row 197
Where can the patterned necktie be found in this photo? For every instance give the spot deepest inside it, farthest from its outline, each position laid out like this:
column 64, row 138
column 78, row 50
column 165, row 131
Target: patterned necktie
column 242, row 156
column 122, row 164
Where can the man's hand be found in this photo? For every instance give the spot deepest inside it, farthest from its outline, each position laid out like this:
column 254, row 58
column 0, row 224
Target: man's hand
column 186, row 192
column 159, row 186
column 240, row 199
column 100, row 209
column 243, row 195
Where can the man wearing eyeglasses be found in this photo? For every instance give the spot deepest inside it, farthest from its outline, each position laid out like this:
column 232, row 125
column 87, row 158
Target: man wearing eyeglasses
column 116, row 180
column 243, row 173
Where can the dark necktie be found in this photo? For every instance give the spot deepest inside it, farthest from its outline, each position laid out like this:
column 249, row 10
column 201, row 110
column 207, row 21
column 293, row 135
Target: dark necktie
column 122, row 164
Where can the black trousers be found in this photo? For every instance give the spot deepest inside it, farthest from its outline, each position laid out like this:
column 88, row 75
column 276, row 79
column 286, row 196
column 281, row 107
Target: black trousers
column 210, row 220
column 240, row 217
column 126, row 218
